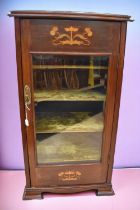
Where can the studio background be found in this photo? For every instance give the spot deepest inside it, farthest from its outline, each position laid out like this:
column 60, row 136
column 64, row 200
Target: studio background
column 128, row 136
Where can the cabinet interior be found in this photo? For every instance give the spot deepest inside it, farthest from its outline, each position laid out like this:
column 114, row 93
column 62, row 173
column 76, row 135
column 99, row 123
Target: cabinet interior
column 69, row 101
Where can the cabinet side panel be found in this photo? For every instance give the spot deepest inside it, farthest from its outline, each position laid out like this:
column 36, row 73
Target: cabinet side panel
column 21, row 98
column 117, row 97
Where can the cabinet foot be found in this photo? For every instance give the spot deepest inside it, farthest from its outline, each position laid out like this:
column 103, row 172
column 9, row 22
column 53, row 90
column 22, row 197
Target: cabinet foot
column 32, row 194
column 105, row 192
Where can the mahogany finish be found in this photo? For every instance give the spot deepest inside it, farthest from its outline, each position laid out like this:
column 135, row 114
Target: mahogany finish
column 69, row 15
column 105, row 35
column 32, row 29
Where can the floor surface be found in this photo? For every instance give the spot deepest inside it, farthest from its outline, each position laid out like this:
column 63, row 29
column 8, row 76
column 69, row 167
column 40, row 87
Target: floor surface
column 126, row 183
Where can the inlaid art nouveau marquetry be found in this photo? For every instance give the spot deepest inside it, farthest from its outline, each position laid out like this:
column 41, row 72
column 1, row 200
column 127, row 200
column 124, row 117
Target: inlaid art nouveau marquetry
column 70, row 68
column 72, row 36
column 69, row 175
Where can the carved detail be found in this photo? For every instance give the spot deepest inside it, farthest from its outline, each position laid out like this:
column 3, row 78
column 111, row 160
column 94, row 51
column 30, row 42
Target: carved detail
column 69, row 175
column 72, row 36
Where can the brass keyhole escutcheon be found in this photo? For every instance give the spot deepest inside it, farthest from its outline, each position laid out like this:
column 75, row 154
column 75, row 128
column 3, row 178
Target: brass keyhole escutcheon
column 27, row 101
column 27, row 96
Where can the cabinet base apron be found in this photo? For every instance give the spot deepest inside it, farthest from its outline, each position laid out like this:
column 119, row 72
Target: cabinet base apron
column 37, row 193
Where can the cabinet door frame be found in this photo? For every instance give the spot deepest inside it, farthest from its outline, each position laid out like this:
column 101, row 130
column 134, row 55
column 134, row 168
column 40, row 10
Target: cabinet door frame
column 100, row 167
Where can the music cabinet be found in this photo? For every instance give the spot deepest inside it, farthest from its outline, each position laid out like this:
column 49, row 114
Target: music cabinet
column 70, row 68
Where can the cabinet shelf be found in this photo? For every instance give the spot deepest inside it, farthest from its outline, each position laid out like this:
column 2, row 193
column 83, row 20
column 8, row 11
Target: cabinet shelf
column 56, row 122
column 78, row 67
column 68, row 95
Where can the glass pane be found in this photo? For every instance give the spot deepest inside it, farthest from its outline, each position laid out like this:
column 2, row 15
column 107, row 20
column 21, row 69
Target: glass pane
column 69, row 99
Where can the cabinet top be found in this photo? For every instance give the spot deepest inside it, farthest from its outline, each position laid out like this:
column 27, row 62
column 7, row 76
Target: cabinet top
column 68, row 15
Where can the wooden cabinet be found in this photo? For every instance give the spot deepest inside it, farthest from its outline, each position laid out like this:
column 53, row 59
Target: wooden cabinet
column 70, row 69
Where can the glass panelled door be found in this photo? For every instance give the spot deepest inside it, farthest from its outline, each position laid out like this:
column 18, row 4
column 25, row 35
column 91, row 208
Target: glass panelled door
column 69, row 102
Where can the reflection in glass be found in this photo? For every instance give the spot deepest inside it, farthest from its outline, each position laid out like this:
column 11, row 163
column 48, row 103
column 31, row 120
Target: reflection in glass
column 69, row 98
